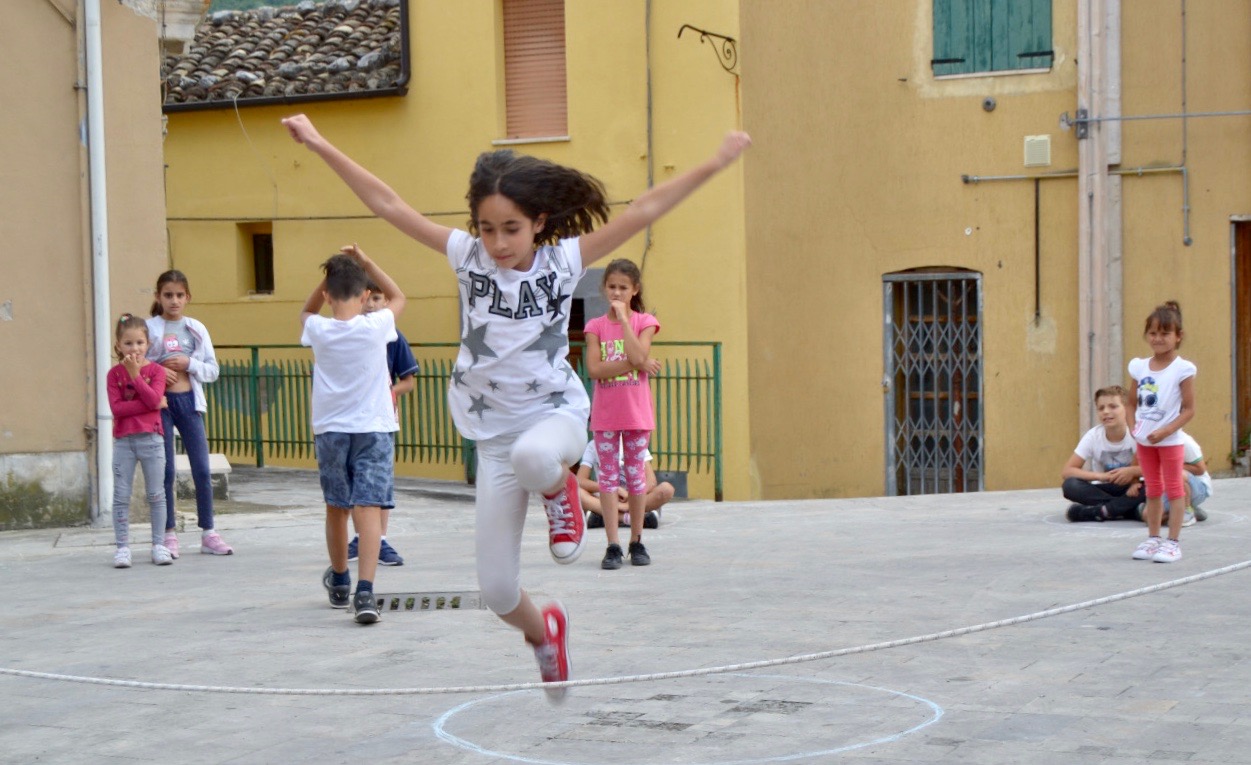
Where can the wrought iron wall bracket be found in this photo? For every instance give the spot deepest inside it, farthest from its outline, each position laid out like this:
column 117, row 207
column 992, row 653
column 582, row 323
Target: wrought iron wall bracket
column 726, row 48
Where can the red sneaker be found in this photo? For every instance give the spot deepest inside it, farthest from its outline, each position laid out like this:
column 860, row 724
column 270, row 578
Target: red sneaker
column 565, row 522
column 553, row 654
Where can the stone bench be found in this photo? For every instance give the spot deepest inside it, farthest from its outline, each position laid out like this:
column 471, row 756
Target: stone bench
column 219, row 471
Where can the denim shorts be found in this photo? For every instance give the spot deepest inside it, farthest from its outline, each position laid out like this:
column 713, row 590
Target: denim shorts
column 1198, row 492
column 356, row 469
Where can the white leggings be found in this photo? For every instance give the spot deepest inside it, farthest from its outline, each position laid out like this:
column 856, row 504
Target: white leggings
column 509, row 468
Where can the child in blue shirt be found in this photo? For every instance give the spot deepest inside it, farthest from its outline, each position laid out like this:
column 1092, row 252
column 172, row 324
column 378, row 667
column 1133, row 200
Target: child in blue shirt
column 403, row 370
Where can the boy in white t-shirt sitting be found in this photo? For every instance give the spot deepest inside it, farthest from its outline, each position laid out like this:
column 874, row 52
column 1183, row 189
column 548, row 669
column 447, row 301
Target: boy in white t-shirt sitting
column 658, row 492
column 1112, row 488
column 353, row 417
column 1198, row 480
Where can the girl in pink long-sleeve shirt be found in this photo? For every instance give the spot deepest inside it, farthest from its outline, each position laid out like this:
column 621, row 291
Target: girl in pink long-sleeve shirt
column 136, row 389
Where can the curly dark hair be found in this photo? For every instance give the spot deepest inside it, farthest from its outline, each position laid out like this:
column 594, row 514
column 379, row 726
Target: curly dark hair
column 572, row 200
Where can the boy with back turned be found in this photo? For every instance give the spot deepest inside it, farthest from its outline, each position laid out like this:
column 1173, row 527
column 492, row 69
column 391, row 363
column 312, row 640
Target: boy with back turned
column 353, row 417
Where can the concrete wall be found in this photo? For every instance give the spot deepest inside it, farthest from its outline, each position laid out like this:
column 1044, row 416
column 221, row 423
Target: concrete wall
column 45, row 278
column 225, row 170
column 857, row 173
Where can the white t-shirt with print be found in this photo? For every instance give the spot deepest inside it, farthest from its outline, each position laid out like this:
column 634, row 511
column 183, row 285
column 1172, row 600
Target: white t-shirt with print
column 1102, row 454
column 1194, row 454
column 351, row 382
column 1159, row 397
column 512, row 367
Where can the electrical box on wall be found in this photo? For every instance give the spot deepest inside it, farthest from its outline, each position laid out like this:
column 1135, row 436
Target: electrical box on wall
column 1037, row 150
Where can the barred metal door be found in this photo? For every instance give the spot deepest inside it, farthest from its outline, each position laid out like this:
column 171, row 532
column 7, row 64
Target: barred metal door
column 933, row 382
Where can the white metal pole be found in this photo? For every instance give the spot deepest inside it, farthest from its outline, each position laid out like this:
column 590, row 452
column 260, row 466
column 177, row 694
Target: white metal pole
column 99, row 260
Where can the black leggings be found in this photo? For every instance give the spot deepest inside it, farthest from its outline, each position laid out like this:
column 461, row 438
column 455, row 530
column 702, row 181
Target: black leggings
column 1110, row 495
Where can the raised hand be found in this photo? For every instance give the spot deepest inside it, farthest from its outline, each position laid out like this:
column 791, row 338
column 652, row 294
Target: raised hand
column 301, row 128
column 735, row 143
column 133, row 363
column 354, row 252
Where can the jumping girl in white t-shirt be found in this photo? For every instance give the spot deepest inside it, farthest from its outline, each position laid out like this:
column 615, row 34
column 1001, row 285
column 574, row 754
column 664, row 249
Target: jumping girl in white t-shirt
column 532, row 229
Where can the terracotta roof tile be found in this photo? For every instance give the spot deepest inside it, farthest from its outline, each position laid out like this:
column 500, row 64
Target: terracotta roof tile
column 295, row 52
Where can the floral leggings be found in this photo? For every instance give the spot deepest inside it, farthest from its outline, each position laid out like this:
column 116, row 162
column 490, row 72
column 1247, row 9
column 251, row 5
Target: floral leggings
column 610, row 445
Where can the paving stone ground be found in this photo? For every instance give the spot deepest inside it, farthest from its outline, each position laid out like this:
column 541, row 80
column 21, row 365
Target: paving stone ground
column 1163, row 677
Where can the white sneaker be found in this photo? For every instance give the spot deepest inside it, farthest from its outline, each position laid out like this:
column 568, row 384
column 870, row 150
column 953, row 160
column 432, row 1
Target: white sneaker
column 1168, row 552
column 121, row 558
column 1147, row 549
column 1189, row 518
column 161, row 556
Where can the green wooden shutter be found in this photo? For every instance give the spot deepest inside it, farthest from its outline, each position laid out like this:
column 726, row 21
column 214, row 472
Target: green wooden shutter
column 991, row 35
column 1028, row 32
column 953, row 36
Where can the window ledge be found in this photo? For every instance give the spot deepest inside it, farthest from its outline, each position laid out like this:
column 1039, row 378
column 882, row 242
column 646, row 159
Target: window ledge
column 997, row 73
column 519, row 141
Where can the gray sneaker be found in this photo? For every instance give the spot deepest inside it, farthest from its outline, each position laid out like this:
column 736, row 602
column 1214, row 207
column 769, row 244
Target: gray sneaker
column 365, row 606
column 340, row 594
column 1200, row 514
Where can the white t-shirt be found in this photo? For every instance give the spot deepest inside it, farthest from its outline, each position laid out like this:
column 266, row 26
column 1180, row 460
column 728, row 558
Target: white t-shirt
column 1102, row 454
column 1159, row 397
column 591, row 457
column 351, row 382
column 512, row 368
column 1194, row 454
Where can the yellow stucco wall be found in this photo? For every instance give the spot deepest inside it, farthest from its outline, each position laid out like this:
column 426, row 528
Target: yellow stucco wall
column 222, row 172
column 857, row 173
column 47, row 261
column 46, row 303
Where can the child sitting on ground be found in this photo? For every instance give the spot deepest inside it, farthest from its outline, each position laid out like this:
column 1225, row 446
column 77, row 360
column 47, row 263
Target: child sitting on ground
column 658, row 492
column 1111, row 489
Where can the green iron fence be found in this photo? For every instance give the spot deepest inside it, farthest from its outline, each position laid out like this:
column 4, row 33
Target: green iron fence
column 259, row 407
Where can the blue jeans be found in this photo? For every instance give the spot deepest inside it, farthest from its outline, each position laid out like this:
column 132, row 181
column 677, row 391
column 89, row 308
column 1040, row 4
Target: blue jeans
column 181, row 414
column 145, row 449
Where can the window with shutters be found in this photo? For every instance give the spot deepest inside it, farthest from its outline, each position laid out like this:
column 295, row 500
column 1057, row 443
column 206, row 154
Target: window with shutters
column 976, row 36
column 534, row 68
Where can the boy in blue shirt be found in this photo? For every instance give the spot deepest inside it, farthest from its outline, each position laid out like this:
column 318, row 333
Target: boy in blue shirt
column 353, row 417
column 403, row 369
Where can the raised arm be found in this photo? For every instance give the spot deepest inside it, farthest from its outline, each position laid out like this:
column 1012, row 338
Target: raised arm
column 395, row 296
column 316, row 299
column 658, row 200
column 380, row 198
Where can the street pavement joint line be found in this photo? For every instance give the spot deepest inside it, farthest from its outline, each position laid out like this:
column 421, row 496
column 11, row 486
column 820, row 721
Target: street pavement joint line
column 622, row 679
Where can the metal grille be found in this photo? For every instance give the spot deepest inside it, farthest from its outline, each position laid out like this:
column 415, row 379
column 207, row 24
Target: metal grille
column 429, row 601
column 933, row 382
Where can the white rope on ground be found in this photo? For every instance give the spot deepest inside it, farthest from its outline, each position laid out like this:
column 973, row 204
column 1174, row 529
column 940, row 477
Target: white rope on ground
column 623, row 679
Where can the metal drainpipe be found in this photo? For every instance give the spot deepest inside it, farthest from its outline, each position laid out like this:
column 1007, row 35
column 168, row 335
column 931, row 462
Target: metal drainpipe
column 1186, row 239
column 99, row 259
column 651, row 162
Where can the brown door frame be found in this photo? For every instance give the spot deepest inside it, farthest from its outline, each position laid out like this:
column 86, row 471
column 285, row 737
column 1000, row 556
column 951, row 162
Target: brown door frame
column 1240, row 320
